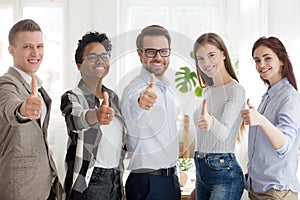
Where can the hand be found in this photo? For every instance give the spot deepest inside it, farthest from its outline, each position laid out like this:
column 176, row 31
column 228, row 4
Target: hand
column 204, row 122
column 148, row 97
column 32, row 107
column 250, row 116
column 105, row 114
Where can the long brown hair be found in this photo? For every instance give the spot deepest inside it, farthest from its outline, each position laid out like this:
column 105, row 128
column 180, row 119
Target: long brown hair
column 204, row 80
column 217, row 41
column 278, row 48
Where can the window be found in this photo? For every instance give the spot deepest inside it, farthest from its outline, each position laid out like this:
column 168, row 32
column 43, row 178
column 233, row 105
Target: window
column 5, row 58
column 182, row 19
column 51, row 21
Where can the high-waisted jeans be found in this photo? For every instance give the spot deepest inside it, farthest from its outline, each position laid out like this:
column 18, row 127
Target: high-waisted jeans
column 218, row 177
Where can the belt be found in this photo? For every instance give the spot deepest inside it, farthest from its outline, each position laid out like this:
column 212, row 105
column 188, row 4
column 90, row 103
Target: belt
column 159, row 172
column 201, row 155
column 101, row 171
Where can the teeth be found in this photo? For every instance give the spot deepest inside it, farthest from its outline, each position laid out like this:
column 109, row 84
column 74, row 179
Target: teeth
column 264, row 70
column 99, row 68
column 157, row 64
column 33, row 61
column 209, row 68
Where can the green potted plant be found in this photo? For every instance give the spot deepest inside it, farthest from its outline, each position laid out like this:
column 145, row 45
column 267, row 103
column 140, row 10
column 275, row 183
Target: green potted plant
column 184, row 165
column 186, row 80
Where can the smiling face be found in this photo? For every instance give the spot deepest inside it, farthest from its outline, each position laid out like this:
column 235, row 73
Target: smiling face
column 210, row 60
column 90, row 70
column 268, row 65
column 157, row 64
column 27, row 51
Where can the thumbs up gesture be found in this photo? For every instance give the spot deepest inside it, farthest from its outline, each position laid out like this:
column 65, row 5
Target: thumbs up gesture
column 251, row 116
column 32, row 107
column 104, row 113
column 148, row 97
column 204, row 122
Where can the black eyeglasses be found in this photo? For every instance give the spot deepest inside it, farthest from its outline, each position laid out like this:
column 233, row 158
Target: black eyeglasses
column 151, row 53
column 93, row 57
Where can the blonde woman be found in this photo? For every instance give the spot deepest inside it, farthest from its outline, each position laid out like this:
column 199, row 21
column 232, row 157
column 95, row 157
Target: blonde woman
column 217, row 121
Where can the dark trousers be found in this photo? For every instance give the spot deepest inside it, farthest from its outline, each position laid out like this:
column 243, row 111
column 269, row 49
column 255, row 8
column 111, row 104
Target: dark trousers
column 142, row 186
column 105, row 184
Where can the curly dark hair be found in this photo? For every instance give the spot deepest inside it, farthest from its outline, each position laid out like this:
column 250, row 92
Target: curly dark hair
column 88, row 38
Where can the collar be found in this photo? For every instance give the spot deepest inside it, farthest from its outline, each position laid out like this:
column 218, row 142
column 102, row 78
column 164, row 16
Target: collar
column 27, row 77
column 272, row 91
column 145, row 74
column 88, row 92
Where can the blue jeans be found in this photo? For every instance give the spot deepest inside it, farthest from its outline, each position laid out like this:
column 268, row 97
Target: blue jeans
column 218, row 177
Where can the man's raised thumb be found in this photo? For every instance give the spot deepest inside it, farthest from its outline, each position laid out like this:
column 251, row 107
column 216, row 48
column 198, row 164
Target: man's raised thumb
column 152, row 81
column 105, row 99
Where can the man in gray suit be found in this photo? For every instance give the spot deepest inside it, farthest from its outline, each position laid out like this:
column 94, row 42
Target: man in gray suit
column 26, row 169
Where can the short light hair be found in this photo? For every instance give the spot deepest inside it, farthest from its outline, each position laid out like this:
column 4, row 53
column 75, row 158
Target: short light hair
column 21, row 26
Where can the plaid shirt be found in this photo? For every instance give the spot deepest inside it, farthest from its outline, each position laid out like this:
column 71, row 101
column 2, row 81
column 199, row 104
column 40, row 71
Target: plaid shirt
column 84, row 138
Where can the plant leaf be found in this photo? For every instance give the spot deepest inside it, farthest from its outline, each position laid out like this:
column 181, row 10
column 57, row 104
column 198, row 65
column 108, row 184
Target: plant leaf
column 186, row 78
column 198, row 91
column 192, row 54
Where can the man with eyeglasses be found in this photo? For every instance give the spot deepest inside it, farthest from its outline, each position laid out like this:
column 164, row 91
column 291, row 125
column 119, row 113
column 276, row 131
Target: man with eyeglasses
column 95, row 125
column 149, row 110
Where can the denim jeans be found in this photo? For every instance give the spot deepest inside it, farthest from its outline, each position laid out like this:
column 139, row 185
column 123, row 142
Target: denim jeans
column 218, row 177
column 105, row 184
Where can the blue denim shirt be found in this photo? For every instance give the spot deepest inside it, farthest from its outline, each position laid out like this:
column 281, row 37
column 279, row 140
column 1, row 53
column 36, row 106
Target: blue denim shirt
column 276, row 168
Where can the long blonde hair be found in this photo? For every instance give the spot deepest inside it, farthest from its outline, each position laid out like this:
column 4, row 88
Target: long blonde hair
column 204, row 81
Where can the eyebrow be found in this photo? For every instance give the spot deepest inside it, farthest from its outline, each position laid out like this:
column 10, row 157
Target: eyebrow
column 208, row 53
column 267, row 54
column 211, row 52
column 32, row 43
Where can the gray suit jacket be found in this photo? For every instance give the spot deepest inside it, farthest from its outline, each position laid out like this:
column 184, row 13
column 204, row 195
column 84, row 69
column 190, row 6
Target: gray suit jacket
column 26, row 168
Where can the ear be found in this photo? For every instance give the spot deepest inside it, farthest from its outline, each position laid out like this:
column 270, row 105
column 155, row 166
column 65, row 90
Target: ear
column 11, row 50
column 78, row 66
column 140, row 54
column 281, row 63
column 224, row 57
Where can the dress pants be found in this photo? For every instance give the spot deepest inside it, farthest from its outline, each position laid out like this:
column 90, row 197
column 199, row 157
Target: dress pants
column 147, row 186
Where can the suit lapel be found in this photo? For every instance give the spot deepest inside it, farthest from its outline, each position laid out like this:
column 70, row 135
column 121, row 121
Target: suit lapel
column 47, row 101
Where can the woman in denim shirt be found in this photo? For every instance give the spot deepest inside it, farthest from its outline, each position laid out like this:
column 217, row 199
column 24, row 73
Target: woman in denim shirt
column 274, row 126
